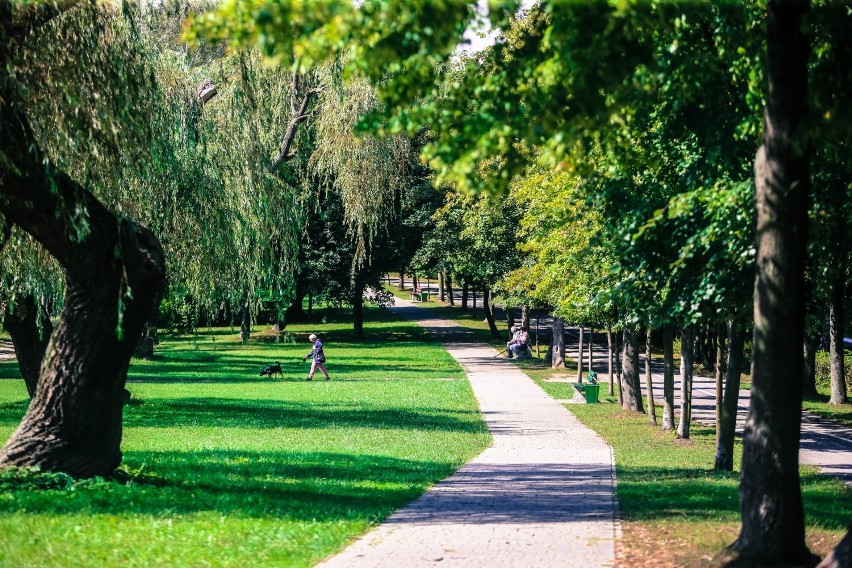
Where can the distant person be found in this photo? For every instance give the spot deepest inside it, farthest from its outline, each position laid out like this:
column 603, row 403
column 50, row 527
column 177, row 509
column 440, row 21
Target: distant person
column 518, row 347
column 318, row 357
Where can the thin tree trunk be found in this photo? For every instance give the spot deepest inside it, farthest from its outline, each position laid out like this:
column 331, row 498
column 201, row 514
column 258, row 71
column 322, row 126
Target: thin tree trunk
column 558, row 341
column 610, row 365
column 591, row 346
column 668, row 379
column 449, row 284
column 525, row 317
column 632, row 395
column 245, row 322
column 548, row 356
column 29, row 336
column 649, row 382
column 489, row 315
column 618, row 369
column 809, row 362
column 730, row 403
column 580, row 355
column 358, row 309
column 465, row 288
column 835, row 337
column 686, row 353
column 473, row 299
column 402, row 280
column 720, row 372
column 773, row 527
column 441, row 294
column 310, row 303
column 510, row 317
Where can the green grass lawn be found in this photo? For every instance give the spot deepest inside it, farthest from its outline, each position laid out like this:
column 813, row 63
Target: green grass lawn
column 223, row 468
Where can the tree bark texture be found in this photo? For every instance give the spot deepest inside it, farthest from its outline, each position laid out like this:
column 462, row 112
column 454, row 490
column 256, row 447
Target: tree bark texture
column 525, row 317
column 590, row 346
column 29, row 336
column 449, row 285
column 841, row 555
column 773, row 529
column 112, row 271
column 632, row 395
column 618, row 373
column 649, row 382
column 610, row 365
column 668, row 379
column 465, row 291
column 358, row 309
column 686, row 354
column 719, row 368
column 809, row 362
column 580, row 355
column 839, row 394
column 730, row 402
column 489, row 315
column 558, row 342
column 441, row 290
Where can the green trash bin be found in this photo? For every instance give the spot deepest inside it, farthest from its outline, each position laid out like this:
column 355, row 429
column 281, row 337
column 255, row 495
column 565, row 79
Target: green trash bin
column 592, row 393
column 424, row 296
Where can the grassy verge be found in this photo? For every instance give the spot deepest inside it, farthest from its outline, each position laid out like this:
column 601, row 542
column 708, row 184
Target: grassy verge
column 676, row 511
column 223, row 468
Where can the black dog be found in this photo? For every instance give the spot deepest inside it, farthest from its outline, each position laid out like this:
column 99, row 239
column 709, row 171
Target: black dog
column 272, row 370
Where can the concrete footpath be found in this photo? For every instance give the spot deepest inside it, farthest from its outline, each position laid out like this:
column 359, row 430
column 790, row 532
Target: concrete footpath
column 543, row 495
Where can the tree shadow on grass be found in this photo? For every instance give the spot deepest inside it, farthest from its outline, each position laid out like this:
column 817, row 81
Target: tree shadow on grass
column 266, row 414
column 297, row 486
column 700, row 495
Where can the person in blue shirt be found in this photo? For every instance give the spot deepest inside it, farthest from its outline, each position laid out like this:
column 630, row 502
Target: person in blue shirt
column 318, row 357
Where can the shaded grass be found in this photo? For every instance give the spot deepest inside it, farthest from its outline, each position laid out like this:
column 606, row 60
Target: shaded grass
column 818, row 405
column 222, row 468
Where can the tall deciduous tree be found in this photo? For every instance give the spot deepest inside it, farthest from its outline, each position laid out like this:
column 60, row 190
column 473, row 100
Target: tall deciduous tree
column 773, row 527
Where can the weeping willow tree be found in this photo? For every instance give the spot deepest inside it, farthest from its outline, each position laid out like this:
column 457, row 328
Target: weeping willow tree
column 102, row 134
column 366, row 171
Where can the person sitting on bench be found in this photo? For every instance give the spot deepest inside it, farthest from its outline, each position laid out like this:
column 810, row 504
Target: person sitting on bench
column 518, row 345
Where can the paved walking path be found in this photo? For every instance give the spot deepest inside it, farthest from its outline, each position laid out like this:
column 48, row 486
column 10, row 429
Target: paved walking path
column 823, row 444
column 543, row 495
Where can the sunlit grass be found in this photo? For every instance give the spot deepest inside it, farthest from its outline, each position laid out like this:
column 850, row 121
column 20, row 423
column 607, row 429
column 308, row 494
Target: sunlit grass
column 224, row 468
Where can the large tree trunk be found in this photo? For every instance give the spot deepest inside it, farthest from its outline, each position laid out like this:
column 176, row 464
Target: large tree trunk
column 558, row 344
column 730, row 403
column 649, row 382
column 580, row 355
column 29, row 336
column 835, row 337
column 841, row 556
column 632, row 395
column 489, row 315
column 668, row 378
column 773, row 529
column 686, row 353
column 112, row 271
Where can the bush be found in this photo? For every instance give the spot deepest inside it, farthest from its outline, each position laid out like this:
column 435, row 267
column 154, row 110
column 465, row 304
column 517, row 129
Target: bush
column 823, row 370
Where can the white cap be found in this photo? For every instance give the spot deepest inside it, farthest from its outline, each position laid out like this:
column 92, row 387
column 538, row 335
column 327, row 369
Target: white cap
column 312, row 337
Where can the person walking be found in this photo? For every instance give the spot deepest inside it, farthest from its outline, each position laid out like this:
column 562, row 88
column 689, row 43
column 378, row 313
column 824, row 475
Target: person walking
column 318, row 357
